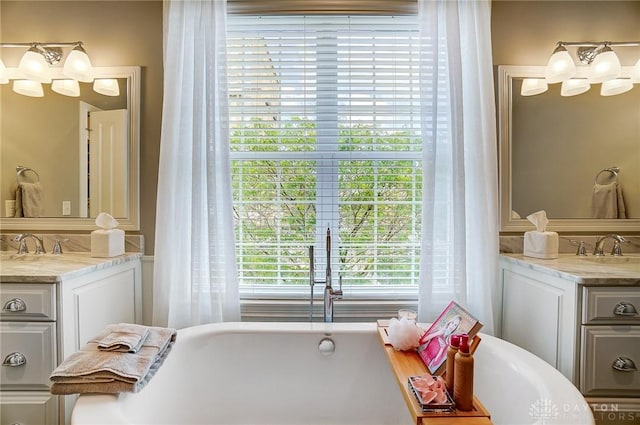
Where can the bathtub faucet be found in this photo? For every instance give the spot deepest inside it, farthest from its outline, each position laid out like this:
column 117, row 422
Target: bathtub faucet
column 330, row 294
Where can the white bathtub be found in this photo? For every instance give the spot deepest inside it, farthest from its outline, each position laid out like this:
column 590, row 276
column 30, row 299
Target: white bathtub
column 266, row 373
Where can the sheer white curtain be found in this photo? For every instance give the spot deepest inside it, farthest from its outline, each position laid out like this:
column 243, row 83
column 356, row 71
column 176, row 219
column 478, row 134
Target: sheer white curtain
column 195, row 274
column 460, row 219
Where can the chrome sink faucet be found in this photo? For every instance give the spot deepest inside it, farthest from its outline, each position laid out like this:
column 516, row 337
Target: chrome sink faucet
column 22, row 238
column 330, row 294
column 616, row 251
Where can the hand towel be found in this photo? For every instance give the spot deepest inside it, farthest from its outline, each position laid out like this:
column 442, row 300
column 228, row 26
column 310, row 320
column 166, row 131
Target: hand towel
column 622, row 212
column 107, row 384
column 92, row 370
column 29, row 200
column 123, row 338
column 606, row 201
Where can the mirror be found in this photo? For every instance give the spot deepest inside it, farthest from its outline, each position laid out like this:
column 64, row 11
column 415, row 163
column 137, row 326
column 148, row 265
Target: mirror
column 552, row 149
column 63, row 140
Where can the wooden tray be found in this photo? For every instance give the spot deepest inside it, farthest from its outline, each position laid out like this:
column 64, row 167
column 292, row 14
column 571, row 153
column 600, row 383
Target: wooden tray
column 408, row 363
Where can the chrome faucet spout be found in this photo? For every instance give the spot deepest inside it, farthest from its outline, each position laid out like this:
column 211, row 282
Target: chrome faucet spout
column 312, row 281
column 328, row 270
column 39, row 242
column 599, row 249
column 330, row 294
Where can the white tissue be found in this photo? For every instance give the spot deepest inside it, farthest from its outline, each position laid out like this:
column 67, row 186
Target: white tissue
column 106, row 221
column 539, row 243
column 107, row 241
column 539, row 219
column 403, row 334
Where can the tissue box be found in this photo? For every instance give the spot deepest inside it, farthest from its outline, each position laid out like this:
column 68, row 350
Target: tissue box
column 107, row 243
column 542, row 245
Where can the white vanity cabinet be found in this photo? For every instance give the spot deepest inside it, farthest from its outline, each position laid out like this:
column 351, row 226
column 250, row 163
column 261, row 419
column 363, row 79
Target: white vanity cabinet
column 539, row 315
column 46, row 316
column 578, row 316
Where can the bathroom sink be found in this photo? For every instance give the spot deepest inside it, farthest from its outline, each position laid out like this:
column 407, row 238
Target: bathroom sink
column 611, row 259
column 31, row 266
column 6, row 256
column 627, row 265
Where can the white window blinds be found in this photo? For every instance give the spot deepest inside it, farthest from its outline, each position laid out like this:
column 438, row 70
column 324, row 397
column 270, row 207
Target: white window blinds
column 325, row 133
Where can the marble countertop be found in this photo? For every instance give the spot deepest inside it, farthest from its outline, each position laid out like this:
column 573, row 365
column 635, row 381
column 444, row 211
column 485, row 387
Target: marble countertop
column 587, row 270
column 49, row 268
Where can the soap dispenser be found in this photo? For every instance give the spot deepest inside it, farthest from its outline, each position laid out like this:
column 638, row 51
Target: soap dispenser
column 463, row 376
column 454, row 343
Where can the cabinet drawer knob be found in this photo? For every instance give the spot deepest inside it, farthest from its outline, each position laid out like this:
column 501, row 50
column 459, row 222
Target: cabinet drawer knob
column 14, row 359
column 624, row 364
column 625, row 308
column 14, row 305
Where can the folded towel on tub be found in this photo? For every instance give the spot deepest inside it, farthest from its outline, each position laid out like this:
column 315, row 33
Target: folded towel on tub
column 91, row 370
column 123, row 337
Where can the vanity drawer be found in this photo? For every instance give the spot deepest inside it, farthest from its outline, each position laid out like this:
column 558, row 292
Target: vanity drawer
column 28, row 408
column 606, row 352
column 28, row 355
column 27, row 301
column 611, row 305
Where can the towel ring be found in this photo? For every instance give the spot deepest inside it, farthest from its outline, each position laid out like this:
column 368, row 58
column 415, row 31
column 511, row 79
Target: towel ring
column 611, row 170
column 21, row 169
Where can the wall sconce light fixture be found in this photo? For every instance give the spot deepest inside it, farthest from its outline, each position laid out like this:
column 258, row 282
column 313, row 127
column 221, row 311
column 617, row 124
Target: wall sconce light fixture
column 34, row 67
column 106, row 86
column 604, row 67
column 533, row 86
column 561, row 66
column 4, row 74
column 617, row 86
column 574, row 86
column 28, row 88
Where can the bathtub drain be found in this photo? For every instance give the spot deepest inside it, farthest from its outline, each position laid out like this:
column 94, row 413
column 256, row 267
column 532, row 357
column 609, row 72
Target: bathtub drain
column 326, row 346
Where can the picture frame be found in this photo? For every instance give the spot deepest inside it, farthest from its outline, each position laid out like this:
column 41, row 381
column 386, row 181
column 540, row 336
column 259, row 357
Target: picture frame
column 454, row 320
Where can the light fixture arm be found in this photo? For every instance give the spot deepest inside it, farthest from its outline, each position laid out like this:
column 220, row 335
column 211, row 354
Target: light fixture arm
column 588, row 50
column 600, row 43
column 52, row 52
column 37, row 43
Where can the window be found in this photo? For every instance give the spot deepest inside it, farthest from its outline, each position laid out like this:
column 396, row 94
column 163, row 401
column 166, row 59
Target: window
column 325, row 133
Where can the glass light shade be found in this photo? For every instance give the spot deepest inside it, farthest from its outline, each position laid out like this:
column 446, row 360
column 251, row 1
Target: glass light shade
column 617, row 86
column 34, row 66
column 28, row 88
column 66, row 87
column 4, row 74
column 533, row 86
column 107, row 86
column 78, row 65
column 560, row 66
column 574, row 86
column 606, row 66
column 635, row 74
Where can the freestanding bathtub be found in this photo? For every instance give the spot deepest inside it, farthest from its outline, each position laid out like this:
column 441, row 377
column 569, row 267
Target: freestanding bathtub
column 266, row 373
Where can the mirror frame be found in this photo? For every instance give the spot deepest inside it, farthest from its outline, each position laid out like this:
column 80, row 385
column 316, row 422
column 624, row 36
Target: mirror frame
column 132, row 221
column 506, row 73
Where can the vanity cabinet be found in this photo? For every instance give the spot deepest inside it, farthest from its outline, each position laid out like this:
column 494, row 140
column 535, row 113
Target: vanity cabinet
column 539, row 315
column 45, row 318
column 610, row 342
column 580, row 319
